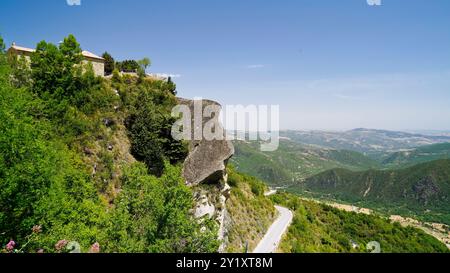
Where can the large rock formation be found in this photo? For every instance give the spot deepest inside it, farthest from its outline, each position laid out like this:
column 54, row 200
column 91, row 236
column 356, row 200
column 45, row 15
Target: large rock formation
column 205, row 167
column 207, row 159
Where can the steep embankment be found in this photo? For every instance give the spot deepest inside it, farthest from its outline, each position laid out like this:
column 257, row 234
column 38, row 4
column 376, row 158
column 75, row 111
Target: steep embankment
column 271, row 241
column 250, row 212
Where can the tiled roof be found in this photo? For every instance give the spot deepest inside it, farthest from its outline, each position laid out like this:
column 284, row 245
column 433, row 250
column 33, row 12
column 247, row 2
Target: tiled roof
column 91, row 55
column 85, row 53
column 20, row 48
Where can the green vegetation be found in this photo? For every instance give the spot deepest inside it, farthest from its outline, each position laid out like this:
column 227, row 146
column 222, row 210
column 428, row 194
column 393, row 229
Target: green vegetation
column 318, row 228
column 90, row 160
column 150, row 123
column 2, row 45
column 144, row 63
column 250, row 212
column 128, row 66
column 422, row 190
column 110, row 64
column 66, row 171
column 416, row 156
column 152, row 215
column 294, row 162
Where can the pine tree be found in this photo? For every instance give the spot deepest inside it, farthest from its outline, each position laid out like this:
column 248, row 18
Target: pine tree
column 110, row 64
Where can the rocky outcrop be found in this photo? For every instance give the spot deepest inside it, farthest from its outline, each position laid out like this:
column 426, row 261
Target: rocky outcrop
column 205, row 167
column 207, row 159
column 426, row 189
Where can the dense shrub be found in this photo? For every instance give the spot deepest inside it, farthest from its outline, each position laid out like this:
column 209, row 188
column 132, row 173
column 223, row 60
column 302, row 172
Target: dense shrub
column 152, row 215
column 149, row 125
column 42, row 182
column 320, row 228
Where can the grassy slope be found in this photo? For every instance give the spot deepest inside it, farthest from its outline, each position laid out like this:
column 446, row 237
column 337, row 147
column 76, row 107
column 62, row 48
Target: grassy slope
column 318, row 228
column 251, row 213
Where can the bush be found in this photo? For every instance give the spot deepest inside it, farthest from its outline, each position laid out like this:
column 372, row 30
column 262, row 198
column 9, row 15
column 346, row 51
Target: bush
column 153, row 215
column 42, row 182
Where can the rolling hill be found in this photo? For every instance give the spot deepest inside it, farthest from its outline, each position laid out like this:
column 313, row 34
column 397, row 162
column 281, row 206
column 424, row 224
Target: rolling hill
column 294, row 162
column 422, row 190
column 419, row 155
column 374, row 143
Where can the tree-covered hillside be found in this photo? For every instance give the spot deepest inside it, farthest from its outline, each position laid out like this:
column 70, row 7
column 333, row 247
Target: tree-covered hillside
column 319, row 228
column 67, row 176
column 293, row 162
column 422, row 190
column 418, row 155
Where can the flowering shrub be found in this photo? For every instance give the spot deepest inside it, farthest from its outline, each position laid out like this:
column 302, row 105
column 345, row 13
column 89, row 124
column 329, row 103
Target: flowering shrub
column 62, row 246
column 10, row 246
column 95, row 248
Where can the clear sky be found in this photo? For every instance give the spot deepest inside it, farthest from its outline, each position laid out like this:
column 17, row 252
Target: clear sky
column 329, row 64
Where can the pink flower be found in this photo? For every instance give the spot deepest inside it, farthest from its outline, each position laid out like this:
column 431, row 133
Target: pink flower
column 10, row 246
column 95, row 248
column 61, row 244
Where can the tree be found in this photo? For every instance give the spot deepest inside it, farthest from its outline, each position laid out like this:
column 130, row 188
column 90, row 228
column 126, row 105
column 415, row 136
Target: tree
column 2, row 45
column 149, row 126
column 56, row 71
column 128, row 66
column 172, row 86
column 110, row 64
column 71, row 51
column 145, row 63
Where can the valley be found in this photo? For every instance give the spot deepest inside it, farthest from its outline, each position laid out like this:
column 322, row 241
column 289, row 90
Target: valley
column 398, row 173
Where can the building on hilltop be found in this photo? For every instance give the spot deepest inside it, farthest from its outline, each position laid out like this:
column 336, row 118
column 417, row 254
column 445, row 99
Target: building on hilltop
column 97, row 62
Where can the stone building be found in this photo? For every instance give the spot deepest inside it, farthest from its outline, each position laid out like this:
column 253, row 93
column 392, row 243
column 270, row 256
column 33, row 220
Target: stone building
column 97, row 62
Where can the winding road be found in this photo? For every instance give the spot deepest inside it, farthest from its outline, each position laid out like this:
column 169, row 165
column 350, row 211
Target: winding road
column 271, row 241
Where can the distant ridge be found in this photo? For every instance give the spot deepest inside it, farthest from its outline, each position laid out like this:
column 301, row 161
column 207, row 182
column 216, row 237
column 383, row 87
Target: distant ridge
column 423, row 189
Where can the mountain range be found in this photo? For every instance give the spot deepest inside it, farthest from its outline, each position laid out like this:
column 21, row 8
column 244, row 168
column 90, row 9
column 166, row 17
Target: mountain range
column 368, row 141
column 395, row 172
column 422, row 190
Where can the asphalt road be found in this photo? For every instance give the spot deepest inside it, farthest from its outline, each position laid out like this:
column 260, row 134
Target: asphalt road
column 271, row 241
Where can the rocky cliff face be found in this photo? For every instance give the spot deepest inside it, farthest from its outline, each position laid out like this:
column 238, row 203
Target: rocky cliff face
column 205, row 168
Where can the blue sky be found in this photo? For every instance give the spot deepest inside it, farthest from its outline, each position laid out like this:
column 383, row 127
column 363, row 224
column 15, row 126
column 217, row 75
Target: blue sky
column 328, row 64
